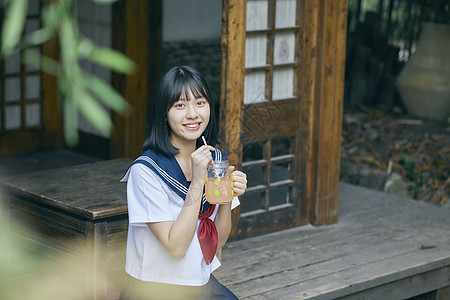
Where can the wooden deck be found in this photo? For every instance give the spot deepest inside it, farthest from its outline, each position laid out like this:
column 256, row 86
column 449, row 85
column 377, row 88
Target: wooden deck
column 383, row 247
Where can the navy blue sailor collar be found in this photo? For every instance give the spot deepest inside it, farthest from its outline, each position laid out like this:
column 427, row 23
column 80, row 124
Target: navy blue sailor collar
column 168, row 169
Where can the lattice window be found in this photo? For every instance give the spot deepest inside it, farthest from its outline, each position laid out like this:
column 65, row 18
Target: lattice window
column 269, row 166
column 271, row 68
column 271, row 62
column 20, row 84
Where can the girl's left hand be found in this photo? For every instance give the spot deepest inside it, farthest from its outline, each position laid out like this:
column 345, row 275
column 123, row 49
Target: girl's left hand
column 239, row 181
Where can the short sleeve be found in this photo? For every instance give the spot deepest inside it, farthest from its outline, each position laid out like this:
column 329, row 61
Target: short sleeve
column 146, row 197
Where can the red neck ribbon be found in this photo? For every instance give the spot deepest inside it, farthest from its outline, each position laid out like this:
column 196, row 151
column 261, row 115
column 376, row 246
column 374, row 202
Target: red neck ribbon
column 207, row 234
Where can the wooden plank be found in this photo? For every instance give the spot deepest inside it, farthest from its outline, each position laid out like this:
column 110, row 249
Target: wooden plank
column 405, row 242
column 232, row 84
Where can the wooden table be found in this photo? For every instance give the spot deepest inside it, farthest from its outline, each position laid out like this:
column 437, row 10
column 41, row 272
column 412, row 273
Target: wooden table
column 78, row 213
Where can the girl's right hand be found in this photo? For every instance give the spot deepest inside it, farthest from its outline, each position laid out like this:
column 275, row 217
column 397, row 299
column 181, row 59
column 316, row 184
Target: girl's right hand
column 200, row 159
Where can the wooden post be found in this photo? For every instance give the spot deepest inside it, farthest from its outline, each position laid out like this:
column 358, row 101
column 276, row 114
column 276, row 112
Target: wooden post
column 232, row 85
column 137, row 29
column 322, row 85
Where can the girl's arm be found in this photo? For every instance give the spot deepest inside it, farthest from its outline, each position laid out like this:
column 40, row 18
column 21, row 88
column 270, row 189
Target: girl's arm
column 176, row 236
column 223, row 217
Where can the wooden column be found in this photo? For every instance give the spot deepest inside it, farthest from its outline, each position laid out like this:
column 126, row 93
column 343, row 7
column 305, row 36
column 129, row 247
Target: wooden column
column 322, row 84
column 136, row 33
column 232, row 85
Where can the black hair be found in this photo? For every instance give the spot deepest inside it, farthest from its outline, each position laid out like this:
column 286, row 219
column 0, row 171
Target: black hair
column 172, row 85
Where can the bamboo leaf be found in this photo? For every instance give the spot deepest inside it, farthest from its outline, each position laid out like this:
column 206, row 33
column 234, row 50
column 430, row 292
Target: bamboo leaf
column 42, row 62
column 94, row 112
column 38, row 37
column 13, row 25
column 112, row 59
column 70, row 122
column 108, row 95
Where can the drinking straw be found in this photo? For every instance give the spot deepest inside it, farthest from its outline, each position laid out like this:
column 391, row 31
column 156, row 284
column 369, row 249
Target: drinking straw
column 215, row 169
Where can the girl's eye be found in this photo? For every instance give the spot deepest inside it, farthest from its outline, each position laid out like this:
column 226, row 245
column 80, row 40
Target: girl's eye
column 201, row 102
column 178, row 105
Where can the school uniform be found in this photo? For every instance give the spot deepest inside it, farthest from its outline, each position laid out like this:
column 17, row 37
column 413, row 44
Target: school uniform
column 156, row 189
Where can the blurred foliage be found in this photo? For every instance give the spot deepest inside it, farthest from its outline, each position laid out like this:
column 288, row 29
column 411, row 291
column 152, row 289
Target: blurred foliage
column 25, row 273
column 79, row 89
column 400, row 19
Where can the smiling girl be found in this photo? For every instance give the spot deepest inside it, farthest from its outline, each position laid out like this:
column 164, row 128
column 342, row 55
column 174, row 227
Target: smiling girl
column 173, row 231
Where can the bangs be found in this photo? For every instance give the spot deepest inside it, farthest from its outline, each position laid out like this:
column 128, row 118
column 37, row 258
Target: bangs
column 183, row 82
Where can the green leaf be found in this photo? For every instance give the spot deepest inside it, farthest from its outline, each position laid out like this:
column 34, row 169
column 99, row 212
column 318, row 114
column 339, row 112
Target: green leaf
column 13, row 25
column 107, row 94
column 94, row 112
column 42, row 62
column 38, row 37
column 112, row 59
column 69, row 45
column 70, row 122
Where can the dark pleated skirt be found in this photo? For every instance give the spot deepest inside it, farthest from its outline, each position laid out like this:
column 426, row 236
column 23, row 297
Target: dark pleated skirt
column 135, row 289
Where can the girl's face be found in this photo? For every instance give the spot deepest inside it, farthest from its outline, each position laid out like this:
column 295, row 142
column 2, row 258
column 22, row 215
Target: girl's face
column 188, row 118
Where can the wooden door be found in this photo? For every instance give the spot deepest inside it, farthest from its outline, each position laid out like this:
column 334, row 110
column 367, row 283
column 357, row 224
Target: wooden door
column 29, row 115
column 281, row 104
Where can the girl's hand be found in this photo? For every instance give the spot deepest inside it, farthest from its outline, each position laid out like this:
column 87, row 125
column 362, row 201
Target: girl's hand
column 239, row 181
column 200, row 159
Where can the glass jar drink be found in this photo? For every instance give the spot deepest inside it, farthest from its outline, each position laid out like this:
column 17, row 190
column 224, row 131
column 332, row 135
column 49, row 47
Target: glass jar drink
column 219, row 185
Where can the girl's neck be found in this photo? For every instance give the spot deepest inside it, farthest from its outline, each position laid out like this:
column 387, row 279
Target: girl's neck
column 185, row 149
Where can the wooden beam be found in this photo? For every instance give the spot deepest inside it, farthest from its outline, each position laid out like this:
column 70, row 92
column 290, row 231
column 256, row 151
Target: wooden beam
column 307, row 151
column 323, row 43
column 232, row 83
column 51, row 104
column 134, row 30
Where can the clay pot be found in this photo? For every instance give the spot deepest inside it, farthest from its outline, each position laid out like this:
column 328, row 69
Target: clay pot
column 424, row 82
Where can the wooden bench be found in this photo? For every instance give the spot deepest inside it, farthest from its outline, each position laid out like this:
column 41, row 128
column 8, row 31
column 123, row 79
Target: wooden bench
column 76, row 216
column 383, row 247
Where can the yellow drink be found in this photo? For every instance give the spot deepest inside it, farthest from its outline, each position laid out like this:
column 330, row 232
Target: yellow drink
column 219, row 184
column 219, row 190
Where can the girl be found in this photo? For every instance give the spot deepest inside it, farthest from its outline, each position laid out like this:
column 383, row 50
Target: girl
column 173, row 232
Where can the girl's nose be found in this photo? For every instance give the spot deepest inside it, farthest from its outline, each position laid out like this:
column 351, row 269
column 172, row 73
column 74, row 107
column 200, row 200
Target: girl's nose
column 191, row 112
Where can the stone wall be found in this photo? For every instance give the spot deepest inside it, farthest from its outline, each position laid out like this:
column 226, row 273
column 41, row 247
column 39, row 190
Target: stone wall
column 204, row 55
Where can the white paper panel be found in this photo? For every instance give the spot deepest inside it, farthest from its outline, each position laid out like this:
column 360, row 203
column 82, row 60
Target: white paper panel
column 255, row 51
column 33, row 86
column 284, row 48
column 254, row 87
column 283, row 84
column 33, row 114
column 12, row 89
column 13, row 117
column 256, row 14
column 12, row 63
column 285, row 13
